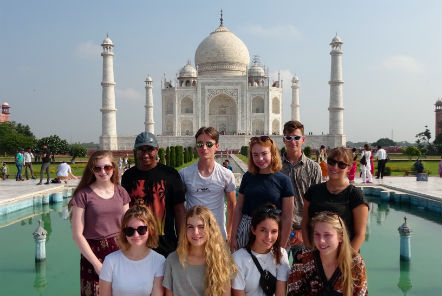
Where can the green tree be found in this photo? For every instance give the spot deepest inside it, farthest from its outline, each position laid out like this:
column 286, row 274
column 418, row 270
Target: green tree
column 384, row 142
column 411, row 151
column 195, row 153
column 438, row 140
column 14, row 136
column 244, row 150
column 77, row 150
column 162, row 155
column 423, row 137
column 307, row 151
column 168, row 156
column 172, row 157
column 179, row 156
column 283, row 150
column 190, row 153
column 55, row 144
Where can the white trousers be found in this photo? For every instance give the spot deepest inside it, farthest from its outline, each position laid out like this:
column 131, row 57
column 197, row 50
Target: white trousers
column 366, row 173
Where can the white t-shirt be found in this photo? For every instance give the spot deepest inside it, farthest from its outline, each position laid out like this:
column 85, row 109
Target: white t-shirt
column 129, row 277
column 208, row 191
column 63, row 170
column 248, row 275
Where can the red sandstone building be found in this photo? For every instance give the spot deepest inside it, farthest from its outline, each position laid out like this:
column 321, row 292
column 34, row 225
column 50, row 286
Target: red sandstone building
column 4, row 117
column 438, row 111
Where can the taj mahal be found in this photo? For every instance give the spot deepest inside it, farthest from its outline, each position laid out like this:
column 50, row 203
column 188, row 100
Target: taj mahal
column 224, row 90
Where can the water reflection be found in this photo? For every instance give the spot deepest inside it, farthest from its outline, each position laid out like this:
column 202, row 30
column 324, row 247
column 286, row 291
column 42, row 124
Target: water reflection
column 40, row 276
column 404, row 277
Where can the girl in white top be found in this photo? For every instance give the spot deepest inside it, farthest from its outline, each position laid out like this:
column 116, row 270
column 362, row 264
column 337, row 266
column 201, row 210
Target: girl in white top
column 135, row 269
column 366, row 169
column 264, row 243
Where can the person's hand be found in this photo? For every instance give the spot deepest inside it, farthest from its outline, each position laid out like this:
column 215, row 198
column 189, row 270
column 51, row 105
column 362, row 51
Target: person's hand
column 297, row 238
column 233, row 244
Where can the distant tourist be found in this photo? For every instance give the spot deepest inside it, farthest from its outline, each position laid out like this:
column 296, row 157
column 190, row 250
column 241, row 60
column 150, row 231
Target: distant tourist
column 381, row 155
column 135, row 269
column 302, row 171
column 19, row 162
column 208, row 183
column 333, row 267
column 365, row 161
column 98, row 205
column 262, row 184
column 5, row 171
column 322, row 160
column 27, row 156
column 202, row 265
column 418, row 166
column 64, row 172
column 440, row 168
column 161, row 189
column 353, row 168
column 226, row 164
column 337, row 195
column 45, row 164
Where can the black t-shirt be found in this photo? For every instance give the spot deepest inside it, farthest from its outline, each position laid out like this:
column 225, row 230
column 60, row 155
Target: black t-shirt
column 47, row 158
column 161, row 189
column 342, row 203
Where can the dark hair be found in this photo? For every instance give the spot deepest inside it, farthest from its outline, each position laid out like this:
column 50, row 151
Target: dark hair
column 341, row 152
column 267, row 211
column 291, row 126
column 210, row 131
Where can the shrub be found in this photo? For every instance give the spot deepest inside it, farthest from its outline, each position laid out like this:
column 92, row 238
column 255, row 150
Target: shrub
column 283, row 150
column 307, row 151
column 162, row 155
column 172, row 157
column 244, row 150
column 179, row 156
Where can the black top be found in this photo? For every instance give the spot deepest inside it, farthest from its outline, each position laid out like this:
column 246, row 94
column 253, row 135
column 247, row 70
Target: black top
column 161, row 189
column 47, row 158
column 342, row 203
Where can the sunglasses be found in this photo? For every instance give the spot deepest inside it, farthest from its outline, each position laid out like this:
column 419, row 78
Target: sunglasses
column 289, row 138
column 129, row 231
column 208, row 144
column 270, row 211
column 261, row 139
column 107, row 168
column 333, row 162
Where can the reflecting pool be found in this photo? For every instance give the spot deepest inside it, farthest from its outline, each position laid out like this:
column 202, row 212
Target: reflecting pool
column 19, row 275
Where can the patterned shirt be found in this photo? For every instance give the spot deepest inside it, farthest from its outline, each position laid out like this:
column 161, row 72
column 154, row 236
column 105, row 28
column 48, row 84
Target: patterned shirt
column 308, row 277
column 303, row 174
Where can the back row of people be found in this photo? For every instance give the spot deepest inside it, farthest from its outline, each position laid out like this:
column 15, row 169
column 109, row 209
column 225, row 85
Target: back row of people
column 286, row 183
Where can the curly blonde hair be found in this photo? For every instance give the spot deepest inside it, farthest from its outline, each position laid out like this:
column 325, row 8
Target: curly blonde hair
column 220, row 268
column 144, row 214
column 345, row 252
column 264, row 141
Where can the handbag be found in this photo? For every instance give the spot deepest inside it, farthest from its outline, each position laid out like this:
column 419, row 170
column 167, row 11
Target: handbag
column 363, row 160
column 267, row 281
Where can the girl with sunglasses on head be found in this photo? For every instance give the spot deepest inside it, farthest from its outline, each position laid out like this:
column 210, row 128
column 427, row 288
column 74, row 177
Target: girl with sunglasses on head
column 339, row 196
column 202, row 264
column 97, row 206
column 135, row 269
column 263, row 183
column 265, row 244
column 333, row 267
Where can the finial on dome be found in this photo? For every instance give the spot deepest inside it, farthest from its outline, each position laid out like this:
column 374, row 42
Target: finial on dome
column 221, row 19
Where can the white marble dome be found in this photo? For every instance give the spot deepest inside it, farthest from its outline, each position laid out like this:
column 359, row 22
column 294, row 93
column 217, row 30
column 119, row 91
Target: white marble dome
column 5, row 104
column 222, row 52
column 336, row 39
column 256, row 71
column 188, row 71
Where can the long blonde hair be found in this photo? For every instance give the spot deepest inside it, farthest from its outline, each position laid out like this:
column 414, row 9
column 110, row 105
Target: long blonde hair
column 220, row 267
column 345, row 251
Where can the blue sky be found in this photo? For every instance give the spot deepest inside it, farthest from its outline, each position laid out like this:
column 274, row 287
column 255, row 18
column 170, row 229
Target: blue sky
column 51, row 68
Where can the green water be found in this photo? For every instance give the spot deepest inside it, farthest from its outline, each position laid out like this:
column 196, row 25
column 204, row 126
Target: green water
column 59, row 275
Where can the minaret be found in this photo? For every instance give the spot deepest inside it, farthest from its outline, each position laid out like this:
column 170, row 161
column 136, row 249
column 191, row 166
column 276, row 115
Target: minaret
column 438, row 120
column 108, row 139
column 336, row 108
column 295, row 99
column 149, row 124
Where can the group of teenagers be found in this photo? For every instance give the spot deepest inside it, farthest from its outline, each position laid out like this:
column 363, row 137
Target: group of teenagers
column 163, row 232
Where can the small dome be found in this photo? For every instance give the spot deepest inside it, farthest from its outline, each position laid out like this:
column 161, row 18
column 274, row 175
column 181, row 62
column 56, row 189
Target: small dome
column 256, row 71
column 336, row 39
column 5, row 104
column 148, row 79
column 222, row 52
column 295, row 79
column 438, row 103
column 188, row 71
column 107, row 41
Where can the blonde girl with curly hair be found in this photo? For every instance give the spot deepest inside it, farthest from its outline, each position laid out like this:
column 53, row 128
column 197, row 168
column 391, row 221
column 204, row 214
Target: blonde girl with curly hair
column 135, row 269
column 333, row 267
column 202, row 264
column 262, row 184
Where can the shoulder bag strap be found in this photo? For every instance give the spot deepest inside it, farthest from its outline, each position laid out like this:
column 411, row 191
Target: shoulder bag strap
column 261, row 271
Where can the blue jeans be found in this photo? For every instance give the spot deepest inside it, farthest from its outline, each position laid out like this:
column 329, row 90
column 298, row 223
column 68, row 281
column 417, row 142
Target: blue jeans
column 19, row 169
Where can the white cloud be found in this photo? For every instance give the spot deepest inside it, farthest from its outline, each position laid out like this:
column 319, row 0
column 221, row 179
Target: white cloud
column 129, row 94
column 87, row 49
column 273, row 31
column 403, row 63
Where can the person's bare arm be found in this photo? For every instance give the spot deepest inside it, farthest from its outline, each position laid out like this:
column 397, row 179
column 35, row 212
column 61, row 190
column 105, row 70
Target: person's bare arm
column 168, row 292
column 157, row 289
column 180, row 213
column 360, row 214
column 238, row 292
column 227, row 290
column 304, row 224
column 281, row 288
column 80, row 240
column 237, row 215
column 286, row 219
column 231, row 202
column 105, row 288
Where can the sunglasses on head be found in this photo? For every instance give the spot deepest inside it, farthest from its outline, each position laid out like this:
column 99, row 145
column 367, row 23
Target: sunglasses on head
column 208, row 144
column 270, row 211
column 129, row 231
column 107, row 168
column 261, row 139
column 289, row 138
column 329, row 214
column 333, row 162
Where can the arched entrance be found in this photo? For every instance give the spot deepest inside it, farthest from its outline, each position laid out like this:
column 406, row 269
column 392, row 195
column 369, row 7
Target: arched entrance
column 222, row 114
